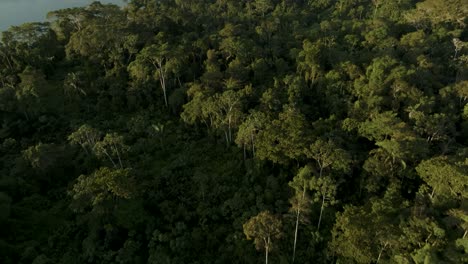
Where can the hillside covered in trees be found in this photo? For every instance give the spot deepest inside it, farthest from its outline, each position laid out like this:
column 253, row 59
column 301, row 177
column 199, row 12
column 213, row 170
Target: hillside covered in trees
column 236, row 131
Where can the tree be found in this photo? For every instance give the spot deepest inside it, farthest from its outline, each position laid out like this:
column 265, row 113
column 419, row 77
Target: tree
column 437, row 12
column 364, row 233
column 97, row 33
column 263, row 229
column 263, row 6
column 351, row 236
column 282, row 139
column 85, row 136
column 229, row 111
column 102, row 186
column 160, row 57
column 309, row 61
column 31, row 44
column 113, row 148
column 325, row 192
column 31, row 92
column 221, row 111
column 68, row 21
column 73, row 85
column 42, row 157
column 300, row 201
column 434, row 172
column 327, row 154
column 249, row 129
column 462, row 216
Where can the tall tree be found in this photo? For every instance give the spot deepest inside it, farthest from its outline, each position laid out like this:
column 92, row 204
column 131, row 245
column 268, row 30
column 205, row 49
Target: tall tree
column 157, row 61
column 263, row 229
column 327, row 154
column 301, row 200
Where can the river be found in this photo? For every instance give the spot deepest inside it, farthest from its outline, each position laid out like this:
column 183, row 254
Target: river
column 16, row 12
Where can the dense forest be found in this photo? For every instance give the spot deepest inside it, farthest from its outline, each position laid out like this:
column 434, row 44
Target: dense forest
column 236, row 131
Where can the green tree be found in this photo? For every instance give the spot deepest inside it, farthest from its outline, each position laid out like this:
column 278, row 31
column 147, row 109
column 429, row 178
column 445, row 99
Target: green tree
column 31, row 92
column 309, row 61
column 101, row 187
column 364, row 233
column 434, row 172
column 327, row 154
column 263, row 229
column 85, row 136
column 112, row 147
column 248, row 130
column 324, row 192
column 160, row 58
column 436, row 11
column 300, row 201
column 282, row 139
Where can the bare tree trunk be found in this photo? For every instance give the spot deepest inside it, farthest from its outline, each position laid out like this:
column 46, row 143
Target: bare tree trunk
column 162, row 79
column 118, row 156
column 180, row 84
column 380, row 253
column 321, row 211
column 110, row 158
column 227, row 137
column 377, row 5
column 321, row 168
column 297, row 223
column 163, row 84
column 267, row 248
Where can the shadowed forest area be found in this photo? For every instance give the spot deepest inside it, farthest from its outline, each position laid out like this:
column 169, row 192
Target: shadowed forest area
column 236, row 131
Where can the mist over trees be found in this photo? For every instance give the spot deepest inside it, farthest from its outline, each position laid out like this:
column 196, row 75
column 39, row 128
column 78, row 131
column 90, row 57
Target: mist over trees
column 248, row 131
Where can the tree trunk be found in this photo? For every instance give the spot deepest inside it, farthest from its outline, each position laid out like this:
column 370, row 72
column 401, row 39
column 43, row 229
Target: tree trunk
column 321, row 168
column 180, row 84
column 227, row 138
column 297, row 223
column 267, row 249
column 321, row 211
column 377, row 5
column 110, row 158
column 380, row 253
column 118, row 156
column 163, row 84
column 162, row 79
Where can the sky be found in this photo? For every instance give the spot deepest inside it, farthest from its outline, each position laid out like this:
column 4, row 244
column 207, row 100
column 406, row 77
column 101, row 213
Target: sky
column 16, row 12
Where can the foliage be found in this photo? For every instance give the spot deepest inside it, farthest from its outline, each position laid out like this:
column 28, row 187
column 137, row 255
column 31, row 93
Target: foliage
column 170, row 131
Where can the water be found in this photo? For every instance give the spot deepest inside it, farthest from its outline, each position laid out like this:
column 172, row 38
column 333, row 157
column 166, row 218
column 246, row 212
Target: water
column 17, row 12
